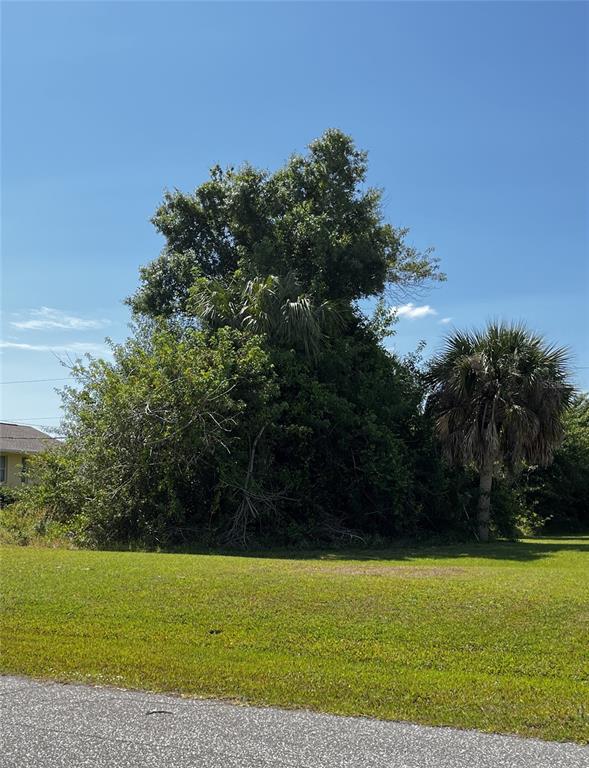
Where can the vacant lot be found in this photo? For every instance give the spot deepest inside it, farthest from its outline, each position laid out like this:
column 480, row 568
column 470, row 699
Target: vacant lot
column 494, row 638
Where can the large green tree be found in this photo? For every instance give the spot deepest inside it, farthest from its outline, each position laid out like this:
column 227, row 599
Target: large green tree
column 499, row 397
column 288, row 255
column 318, row 431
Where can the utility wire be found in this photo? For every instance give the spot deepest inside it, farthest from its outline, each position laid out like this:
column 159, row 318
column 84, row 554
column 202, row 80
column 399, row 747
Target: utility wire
column 34, row 381
column 37, row 418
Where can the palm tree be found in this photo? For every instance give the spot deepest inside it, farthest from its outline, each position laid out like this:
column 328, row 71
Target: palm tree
column 498, row 397
column 274, row 306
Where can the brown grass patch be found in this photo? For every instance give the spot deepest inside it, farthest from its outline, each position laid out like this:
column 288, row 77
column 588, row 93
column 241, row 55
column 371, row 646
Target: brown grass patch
column 393, row 571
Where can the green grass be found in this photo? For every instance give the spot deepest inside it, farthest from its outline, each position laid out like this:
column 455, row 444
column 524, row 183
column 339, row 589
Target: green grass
column 489, row 637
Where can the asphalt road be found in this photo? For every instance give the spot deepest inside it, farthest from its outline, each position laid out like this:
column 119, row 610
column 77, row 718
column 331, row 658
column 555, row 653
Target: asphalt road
column 48, row 725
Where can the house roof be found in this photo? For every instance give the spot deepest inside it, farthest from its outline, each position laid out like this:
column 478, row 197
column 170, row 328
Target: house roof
column 16, row 438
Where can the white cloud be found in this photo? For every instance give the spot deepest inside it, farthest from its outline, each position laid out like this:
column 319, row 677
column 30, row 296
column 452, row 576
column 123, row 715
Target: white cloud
column 413, row 312
column 47, row 318
column 445, row 320
column 76, row 347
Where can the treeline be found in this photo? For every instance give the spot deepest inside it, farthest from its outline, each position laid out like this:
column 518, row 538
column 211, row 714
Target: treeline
column 256, row 404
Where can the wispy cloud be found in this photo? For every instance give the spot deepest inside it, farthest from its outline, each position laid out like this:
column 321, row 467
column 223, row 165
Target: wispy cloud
column 46, row 318
column 444, row 320
column 413, row 312
column 75, row 347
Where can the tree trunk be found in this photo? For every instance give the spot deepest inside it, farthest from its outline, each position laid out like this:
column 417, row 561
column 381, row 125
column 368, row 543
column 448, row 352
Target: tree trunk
column 484, row 505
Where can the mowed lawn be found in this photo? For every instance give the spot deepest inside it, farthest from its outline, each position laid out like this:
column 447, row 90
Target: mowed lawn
column 489, row 637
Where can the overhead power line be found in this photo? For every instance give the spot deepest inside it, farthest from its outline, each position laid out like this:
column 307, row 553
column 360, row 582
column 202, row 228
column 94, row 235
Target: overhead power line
column 34, row 381
column 34, row 418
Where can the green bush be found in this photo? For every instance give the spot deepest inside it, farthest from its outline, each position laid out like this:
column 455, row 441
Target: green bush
column 7, row 496
column 558, row 496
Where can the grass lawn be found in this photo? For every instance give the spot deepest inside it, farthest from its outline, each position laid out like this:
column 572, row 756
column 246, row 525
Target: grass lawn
column 489, row 637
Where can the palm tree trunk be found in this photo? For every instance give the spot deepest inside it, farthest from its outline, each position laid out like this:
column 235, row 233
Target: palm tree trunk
column 484, row 505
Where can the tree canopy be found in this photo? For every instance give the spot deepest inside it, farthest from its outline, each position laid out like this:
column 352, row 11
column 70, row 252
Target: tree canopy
column 314, row 219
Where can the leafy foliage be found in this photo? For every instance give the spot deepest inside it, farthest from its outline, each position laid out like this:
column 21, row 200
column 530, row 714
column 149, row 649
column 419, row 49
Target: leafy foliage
column 147, row 435
column 273, row 306
column 558, row 495
column 254, row 399
column 313, row 219
column 256, row 402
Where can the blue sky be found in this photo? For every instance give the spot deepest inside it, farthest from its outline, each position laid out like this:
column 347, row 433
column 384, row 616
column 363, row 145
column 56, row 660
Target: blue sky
column 475, row 116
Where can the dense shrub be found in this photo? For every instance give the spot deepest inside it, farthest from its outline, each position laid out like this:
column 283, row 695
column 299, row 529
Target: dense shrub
column 558, row 496
column 146, row 435
column 208, row 436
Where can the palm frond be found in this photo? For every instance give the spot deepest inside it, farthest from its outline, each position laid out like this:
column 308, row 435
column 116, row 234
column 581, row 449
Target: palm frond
column 502, row 389
column 274, row 306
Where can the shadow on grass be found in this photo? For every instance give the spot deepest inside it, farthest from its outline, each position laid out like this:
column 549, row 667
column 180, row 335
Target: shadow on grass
column 517, row 551
column 525, row 550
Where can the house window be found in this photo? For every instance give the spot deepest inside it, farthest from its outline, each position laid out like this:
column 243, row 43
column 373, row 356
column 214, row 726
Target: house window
column 23, row 472
column 2, row 469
